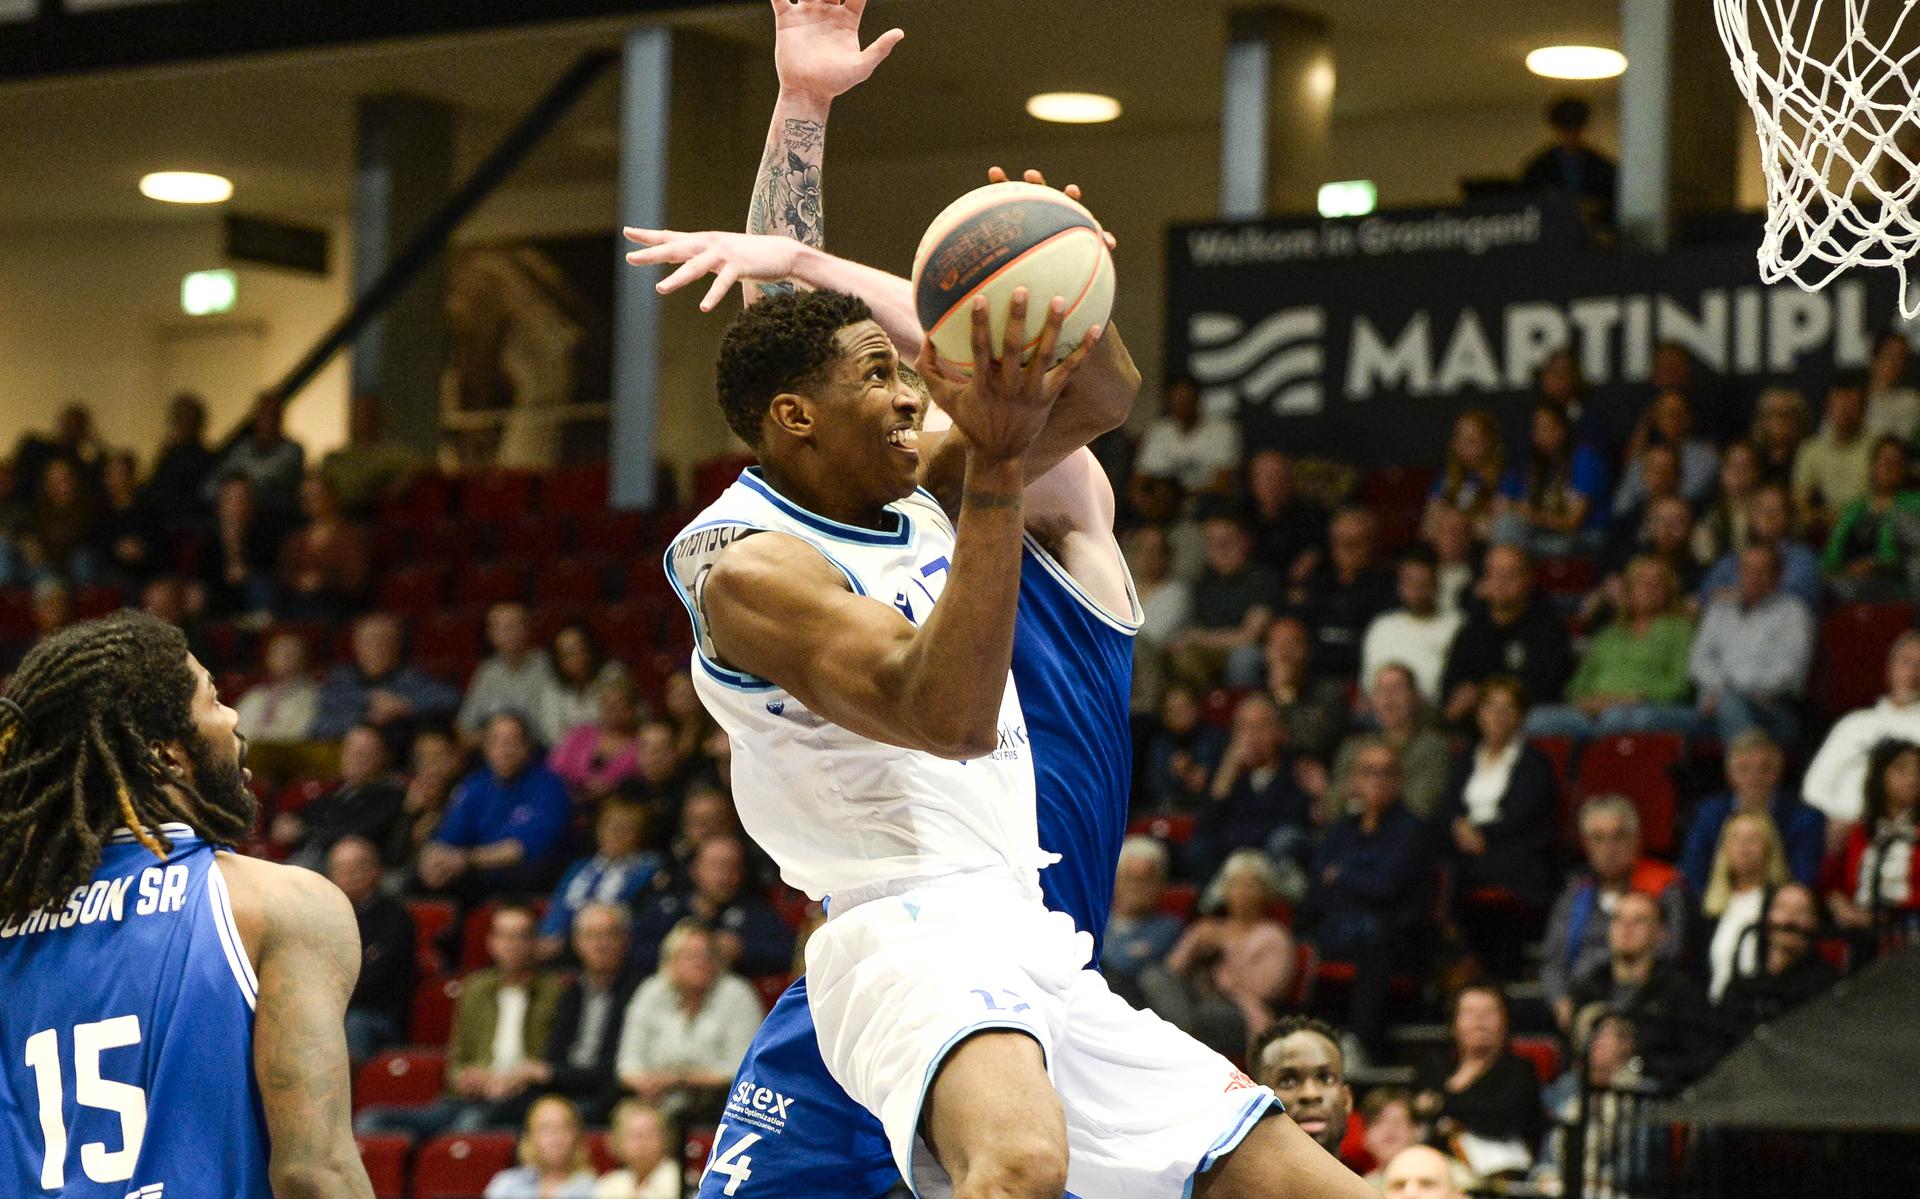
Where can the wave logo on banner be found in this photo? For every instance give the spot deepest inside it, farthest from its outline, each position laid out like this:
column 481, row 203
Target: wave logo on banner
column 1277, row 364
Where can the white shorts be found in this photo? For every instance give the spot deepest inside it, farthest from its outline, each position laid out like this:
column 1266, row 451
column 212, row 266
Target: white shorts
column 895, row 983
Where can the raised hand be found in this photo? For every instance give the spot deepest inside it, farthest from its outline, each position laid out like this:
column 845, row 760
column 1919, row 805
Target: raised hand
column 1071, row 191
column 1006, row 403
column 728, row 257
column 816, row 47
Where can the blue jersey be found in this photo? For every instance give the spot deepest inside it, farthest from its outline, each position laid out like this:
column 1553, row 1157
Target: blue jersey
column 126, row 1037
column 790, row 1131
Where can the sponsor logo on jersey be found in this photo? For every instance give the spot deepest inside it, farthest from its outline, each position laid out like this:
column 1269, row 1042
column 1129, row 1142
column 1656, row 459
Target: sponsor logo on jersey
column 1238, row 1081
column 1013, row 744
column 153, row 1190
column 759, row 1106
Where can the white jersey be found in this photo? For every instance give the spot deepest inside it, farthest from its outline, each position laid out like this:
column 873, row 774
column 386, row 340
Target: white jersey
column 835, row 810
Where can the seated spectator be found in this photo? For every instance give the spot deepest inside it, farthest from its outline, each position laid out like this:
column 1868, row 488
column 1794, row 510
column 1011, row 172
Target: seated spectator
column 175, row 493
column 1560, row 384
column 578, row 1060
column 1369, row 887
column 127, row 536
column 236, row 569
column 1198, row 452
column 378, row 686
column 1557, row 502
column 1755, row 767
column 1769, row 522
column 1830, row 469
column 552, row 1154
column 1182, row 753
column 1455, row 556
column 1605, row 1061
column 1138, row 934
column 323, row 565
column 1791, row 971
column 1481, row 1088
column 1722, row 528
column 281, row 708
column 1572, row 166
column 749, row 936
column 693, row 725
column 1752, row 654
column 1340, row 598
column 580, row 668
column 1392, row 1127
column 1633, row 678
column 1882, row 874
column 1659, row 478
column 271, row 462
column 1256, row 799
column 1234, row 965
column 617, row 872
column 1232, row 606
column 506, row 823
column 1780, row 425
column 595, row 759
column 639, row 1142
column 369, row 466
column 59, row 535
column 1313, row 707
column 1668, row 421
column 1469, row 480
column 436, row 768
column 1837, row 777
column 1500, row 801
column 707, row 815
column 382, row 998
column 1417, row 634
column 1673, row 1028
column 1667, row 537
column 1166, row 607
column 687, row 1027
column 500, row 1022
column 1893, row 405
column 1421, row 1172
column 1875, row 546
column 1402, row 721
column 515, row 679
column 659, row 778
column 1287, row 530
column 367, row 802
column 1300, row 1059
column 1576, row 937
column 1747, row 866
column 1511, row 631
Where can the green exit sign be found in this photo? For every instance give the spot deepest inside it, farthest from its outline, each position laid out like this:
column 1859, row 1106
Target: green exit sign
column 208, row 293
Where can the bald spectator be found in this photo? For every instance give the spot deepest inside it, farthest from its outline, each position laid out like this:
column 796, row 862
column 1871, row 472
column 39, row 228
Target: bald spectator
column 1836, row 780
column 1576, row 938
column 1233, row 604
column 578, row 1058
column 752, row 938
column 1417, row 634
column 1511, row 631
column 383, row 996
column 1420, row 1172
column 1344, row 594
column 1769, row 522
column 1751, row 657
column 378, row 686
column 1830, row 471
column 515, row 679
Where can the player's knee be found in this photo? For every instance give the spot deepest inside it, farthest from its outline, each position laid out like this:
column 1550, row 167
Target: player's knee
column 1024, row 1166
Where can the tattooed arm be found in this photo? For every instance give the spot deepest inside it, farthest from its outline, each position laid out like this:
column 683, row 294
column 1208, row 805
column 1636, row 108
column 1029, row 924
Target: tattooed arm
column 301, row 935
column 816, row 51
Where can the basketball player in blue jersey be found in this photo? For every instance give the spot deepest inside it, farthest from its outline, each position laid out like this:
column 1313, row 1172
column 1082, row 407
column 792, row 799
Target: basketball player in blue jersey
column 173, row 1020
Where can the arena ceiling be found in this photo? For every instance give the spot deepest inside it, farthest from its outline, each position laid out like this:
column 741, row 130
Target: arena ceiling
column 281, row 124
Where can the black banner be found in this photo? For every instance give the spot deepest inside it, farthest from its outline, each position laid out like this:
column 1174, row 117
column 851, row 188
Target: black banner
column 1363, row 338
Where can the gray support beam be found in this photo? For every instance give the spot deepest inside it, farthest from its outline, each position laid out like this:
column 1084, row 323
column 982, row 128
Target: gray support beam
column 1276, row 109
column 1679, row 119
column 646, row 112
column 403, row 171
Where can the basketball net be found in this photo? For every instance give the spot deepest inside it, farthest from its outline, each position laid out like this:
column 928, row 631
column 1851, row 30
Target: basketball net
column 1837, row 102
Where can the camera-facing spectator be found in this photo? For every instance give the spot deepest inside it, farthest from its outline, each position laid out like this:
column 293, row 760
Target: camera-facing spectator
column 1791, row 969
column 1139, row 934
column 1340, row 598
column 1882, row 855
column 281, row 708
column 1182, row 753
column 236, row 569
column 515, row 679
column 581, row 668
column 271, row 462
column 688, row 1026
column 1256, row 800
column 176, row 490
column 1830, row 470
column 618, row 870
column 1672, row 1024
column 1287, row 529
column 378, row 686
column 506, row 824
column 1769, row 522
column 1753, row 652
column 1480, row 1087
column 1722, row 527
column 1556, row 503
column 749, row 936
column 1201, row 453
column 1417, row 634
column 1456, row 557
column 1873, row 553
column 1233, row 966
column 597, row 757
column 1499, row 804
column 1469, row 479
column 436, row 764
column 1781, row 423
column 1837, row 777
column 1313, row 707
column 648, row 1169
column 1748, row 865
column 578, row 1059
column 552, row 1154
column 1512, row 631
column 1668, row 421
column 1633, row 677
column 1233, row 604
column 1404, row 721
column 368, row 801
column 1755, row 767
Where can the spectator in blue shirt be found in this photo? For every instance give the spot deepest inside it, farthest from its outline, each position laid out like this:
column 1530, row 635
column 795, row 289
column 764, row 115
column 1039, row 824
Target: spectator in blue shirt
column 1769, row 522
column 377, row 688
column 1139, row 934
column 506, row 824
column 1755, row 768
column 615, row 874
column 1369, row 887
column 1557, row 502
column 751, row 937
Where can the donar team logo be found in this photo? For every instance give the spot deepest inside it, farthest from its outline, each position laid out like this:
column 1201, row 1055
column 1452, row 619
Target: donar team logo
column 153, row 1190
column 1277, row 364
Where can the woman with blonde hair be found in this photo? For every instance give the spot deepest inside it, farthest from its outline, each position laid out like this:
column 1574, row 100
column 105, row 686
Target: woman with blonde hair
column 1470, row 480
column 553, row 1156
column 1224, row 977
column 1748, row 865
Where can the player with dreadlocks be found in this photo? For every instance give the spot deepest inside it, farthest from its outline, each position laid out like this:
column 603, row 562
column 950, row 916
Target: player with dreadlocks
column 173, row 1027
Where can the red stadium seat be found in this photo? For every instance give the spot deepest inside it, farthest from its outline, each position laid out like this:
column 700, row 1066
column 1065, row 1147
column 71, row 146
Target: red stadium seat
column 473, row 938
column 454, row 542
column 577, row 491
column 422, row 502
column 460, row 1167
column 600, row 1153
column 1220, row 704
column 1543, row 1053
column 483, row 584
column 1179, row 900
column 456, row 633
column 1305, row 959
column 695, row 1149
column 1397, row 495
column 1639, row 766
column 431, row 1019
column 497, row 496
column 385, row 1157
column 1567, row 576
column 627, row 630
column 613, row 534
column 1854, row 640
column 1559, row 751
column 715, row 475
column 646, row 584
column 413, row 590
column 531, row 538
column 1175, row 827
column 401, row 1078
column 569, row 585
column 431, row 920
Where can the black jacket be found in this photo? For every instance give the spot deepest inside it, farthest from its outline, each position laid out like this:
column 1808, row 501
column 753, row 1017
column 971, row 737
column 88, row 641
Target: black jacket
column 1674, row 1030
column 1518, row 839
column 1752, row 1000
column 386, row 960
column 1535, row 647
column 597, row 1080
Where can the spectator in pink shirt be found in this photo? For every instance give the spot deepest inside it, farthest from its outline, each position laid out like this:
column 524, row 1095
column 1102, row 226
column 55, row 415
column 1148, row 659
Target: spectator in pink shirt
column 596, row 758
column 1226, row 974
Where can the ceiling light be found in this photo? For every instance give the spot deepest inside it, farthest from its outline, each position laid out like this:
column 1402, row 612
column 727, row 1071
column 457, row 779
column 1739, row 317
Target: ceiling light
column 1073, row 108
column 1576, row 62
column 186, row 187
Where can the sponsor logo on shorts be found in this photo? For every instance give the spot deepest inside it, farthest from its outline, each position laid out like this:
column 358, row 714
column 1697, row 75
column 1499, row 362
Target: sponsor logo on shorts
column 1239, row 1081
column 759, row 1106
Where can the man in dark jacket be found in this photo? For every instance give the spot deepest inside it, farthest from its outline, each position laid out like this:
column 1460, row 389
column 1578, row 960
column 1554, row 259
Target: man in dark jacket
column 579, row 1057
column 1790, row 974
column 1674, row 1028
column 752, row 938
column 366, row 803
column 1508, row 632
column 378, row 1009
